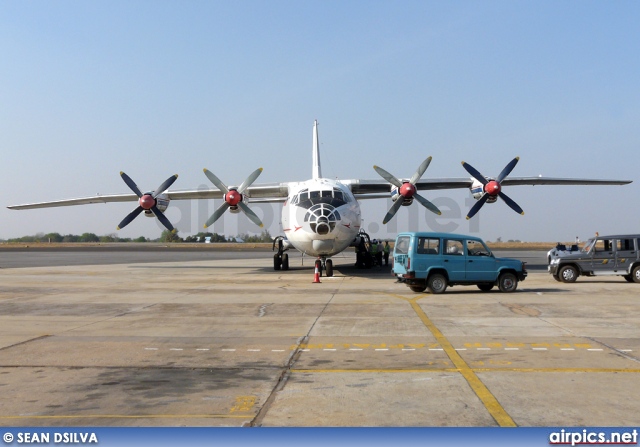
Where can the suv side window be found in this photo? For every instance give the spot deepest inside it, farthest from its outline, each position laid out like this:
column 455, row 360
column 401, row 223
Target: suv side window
column 428, row 246
column 475, row 248
column 402, row 247
column 454, row 247
column 624, row 245
column 603, row 245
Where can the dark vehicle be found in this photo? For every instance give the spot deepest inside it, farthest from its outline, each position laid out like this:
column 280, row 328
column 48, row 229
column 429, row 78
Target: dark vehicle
column 434, row 261
column 600, row 256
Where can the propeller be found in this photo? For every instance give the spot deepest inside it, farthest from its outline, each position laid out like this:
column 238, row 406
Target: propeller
column 407, row 190
column 147, row 201
column 233, row 197
column 492, row 188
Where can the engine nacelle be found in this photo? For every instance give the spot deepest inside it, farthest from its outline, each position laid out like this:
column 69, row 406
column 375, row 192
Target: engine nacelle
column 477, row 190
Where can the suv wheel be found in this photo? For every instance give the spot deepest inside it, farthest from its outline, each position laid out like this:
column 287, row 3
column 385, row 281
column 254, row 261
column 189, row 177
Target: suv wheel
column 636, row 274
column 418, row 287
column 507, row 282
column 437, row 283
column 485, row 287
column 568, row 273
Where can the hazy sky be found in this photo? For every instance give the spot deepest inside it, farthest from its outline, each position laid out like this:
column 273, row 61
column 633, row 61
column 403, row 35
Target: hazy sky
column 153, row 88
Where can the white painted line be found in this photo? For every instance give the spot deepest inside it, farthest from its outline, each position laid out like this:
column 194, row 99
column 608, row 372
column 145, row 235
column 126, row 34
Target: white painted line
column 150, row 349
column 176, row 349
column 483, row 349
column 567, row 349
column 594, row 349
column 436, row 349
column 626, row 350
column 408, row 349
column 355, row 349
column 382, row 349
column 305, row 350
column 327, row 349
column 511, row 349
column 253, row 350
column 229, row 350
column 277, row 350
column 539, row 349
column 461, row 349
column 202, row 349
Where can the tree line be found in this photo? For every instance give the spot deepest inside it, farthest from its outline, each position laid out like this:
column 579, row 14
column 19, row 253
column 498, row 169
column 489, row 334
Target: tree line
column 166, row 236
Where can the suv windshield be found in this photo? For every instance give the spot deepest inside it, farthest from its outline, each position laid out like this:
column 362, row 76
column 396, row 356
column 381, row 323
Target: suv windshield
column 588, row 245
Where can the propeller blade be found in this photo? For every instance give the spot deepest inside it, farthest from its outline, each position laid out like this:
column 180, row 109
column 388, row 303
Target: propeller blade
column 249, row 180
column 216, row 215
column 474, row 173
column 216, row 181
column 388, row 177
column 250, row 214
column 162, row 188
column 475, row 208
column 423, row 167
column 131, row 184
column 132, row 215
column 393, row 210
column 513, row 205
column 507, row 169
column 428, row 205
column 162, row 218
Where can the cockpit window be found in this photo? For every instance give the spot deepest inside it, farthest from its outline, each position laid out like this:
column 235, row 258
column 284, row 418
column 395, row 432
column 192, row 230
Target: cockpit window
column 306, row 199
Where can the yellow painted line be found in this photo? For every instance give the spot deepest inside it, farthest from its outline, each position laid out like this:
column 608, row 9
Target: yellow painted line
column 560, row 370
column 486, row 397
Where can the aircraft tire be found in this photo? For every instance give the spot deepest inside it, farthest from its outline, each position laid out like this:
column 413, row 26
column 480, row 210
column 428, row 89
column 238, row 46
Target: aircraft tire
column 285, row 261
column 329, row 268
column 277, row 262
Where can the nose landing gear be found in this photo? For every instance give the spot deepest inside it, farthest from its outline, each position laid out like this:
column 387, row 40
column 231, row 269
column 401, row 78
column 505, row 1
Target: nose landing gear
column 322, row 263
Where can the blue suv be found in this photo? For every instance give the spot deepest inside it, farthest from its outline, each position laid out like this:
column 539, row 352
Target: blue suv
column 434, row 261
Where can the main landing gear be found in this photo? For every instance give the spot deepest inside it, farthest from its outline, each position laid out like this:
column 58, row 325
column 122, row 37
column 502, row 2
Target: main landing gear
column 280, row 259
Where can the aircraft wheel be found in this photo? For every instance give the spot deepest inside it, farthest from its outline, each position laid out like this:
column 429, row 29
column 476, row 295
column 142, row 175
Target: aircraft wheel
column 636, row 274
column 485, row 287
column 329, row 267
column 437, row 283
column 277, row 262
column 568, row 273
column 507, row 282
column 285, row 261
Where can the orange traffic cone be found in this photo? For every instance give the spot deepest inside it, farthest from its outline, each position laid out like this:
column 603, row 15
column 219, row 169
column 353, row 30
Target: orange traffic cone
column 316, row 275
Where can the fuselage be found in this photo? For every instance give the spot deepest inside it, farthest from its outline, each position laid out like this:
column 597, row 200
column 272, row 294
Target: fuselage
column 320, row 217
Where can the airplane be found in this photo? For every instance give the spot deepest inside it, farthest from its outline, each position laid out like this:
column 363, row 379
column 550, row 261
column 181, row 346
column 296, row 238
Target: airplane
column 321, row 217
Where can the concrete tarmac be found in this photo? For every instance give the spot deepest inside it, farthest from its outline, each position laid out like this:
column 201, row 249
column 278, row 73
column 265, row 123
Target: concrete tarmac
column 229, row 342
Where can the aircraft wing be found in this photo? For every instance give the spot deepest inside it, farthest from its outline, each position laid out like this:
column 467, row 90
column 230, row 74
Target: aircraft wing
column 370, row 189
column 266, row 192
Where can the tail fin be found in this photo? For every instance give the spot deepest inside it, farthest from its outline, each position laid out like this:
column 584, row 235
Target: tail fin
column 316, row 153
